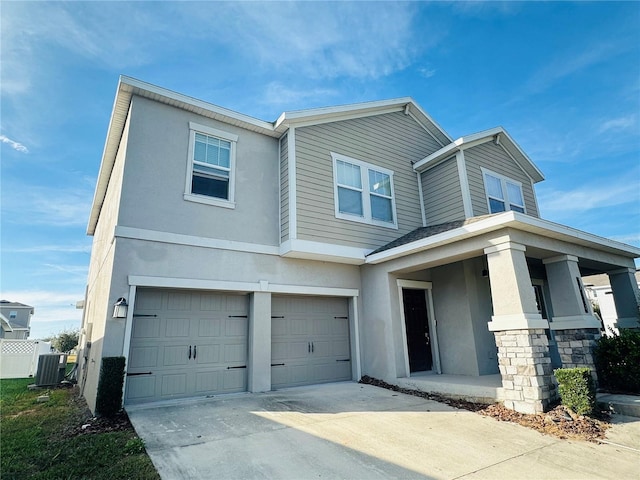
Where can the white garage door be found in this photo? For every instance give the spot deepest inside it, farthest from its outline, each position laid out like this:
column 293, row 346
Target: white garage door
column 310, row 341
column 185, row 344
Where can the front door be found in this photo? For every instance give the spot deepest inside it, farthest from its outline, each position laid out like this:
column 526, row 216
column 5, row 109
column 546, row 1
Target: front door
column 417, row 325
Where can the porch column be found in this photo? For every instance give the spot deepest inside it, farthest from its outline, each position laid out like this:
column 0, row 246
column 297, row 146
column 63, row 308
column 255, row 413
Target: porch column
column 576, row 329
column 523, row 347
column 626, row 297
column 259, row 360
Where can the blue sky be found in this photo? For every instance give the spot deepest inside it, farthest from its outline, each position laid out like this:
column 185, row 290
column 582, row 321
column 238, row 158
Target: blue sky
column 562, row 78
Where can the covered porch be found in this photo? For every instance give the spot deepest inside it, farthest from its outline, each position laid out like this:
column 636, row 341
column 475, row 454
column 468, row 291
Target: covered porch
column 504, row 305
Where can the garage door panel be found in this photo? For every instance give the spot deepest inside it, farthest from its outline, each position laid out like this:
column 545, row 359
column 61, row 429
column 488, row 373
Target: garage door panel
column 309, row 340
column 141, row 357
column 236, row 327
column 174, row 355
column 174, row 384
column 177, row 327
column 209, row 327
column 184, row 319
column 179, row 301
column 208, row 354
column 146, row 328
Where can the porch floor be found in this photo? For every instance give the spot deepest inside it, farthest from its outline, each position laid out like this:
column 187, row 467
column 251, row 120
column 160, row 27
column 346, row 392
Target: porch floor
column 484, row 389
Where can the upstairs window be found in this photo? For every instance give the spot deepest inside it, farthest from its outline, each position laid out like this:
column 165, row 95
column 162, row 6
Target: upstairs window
column 210, row 177
column 13, row 314
column 363, row 192
column 502, row 193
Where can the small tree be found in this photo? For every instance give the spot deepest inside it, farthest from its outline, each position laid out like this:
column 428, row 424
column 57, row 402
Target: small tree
column 65, row 341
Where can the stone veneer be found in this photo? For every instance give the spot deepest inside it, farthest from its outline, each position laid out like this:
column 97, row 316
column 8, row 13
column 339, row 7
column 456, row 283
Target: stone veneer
column 525, row 366
column 576, row 346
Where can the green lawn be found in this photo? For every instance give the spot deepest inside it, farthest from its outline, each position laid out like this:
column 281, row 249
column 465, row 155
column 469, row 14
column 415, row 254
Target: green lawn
column 36, row 439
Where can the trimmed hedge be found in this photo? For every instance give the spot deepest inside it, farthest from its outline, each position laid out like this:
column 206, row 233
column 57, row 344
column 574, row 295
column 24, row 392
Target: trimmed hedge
column 617, row 361
column 109, row 399
column 577, row 389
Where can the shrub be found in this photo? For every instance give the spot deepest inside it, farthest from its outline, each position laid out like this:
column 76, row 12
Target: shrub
column 109, row 399
column 617, row 360
column 577, row 389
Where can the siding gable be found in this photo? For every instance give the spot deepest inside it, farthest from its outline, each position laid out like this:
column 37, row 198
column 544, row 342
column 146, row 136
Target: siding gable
column 442, row 193
column 391, row 141
column 493, row 157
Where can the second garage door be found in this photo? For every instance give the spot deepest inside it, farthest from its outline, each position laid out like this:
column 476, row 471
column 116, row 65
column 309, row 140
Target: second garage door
column 186, row 343
column 310, row 341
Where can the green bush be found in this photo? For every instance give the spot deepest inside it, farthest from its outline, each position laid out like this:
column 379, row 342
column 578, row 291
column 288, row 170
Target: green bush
column 577, row 389
column 109, row 399
column 617, row 360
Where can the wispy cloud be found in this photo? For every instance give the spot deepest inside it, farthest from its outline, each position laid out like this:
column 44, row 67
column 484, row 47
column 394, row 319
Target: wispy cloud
column 277, row 93
column 53, row 206
column 75, row 248
column 589, row 197
column 13, row 144
column 49, row 305
column 621, row 123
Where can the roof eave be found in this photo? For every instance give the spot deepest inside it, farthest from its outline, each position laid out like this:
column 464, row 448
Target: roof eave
column 504, row 220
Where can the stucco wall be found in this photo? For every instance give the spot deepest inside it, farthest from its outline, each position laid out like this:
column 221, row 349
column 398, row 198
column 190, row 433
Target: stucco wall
column 156, row 175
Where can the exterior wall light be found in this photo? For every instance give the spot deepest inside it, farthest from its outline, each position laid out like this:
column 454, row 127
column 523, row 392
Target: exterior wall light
column 120, row 308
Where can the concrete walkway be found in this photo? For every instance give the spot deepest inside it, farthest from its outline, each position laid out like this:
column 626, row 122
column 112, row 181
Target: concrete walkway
column 354, row 431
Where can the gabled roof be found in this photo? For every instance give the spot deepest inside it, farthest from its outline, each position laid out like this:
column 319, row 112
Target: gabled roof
column 498, row 135
column 8, row 304
column 127, row 87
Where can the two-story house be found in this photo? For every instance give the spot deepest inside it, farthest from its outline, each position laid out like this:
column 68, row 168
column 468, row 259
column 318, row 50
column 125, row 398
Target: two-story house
column 15, row 319
column 325, row 245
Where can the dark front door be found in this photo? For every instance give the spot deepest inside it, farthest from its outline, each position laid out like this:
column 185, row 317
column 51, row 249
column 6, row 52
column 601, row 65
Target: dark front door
column 417, row 323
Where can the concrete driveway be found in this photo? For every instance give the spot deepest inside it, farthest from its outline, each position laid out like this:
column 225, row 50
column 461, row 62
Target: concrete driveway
column 354, row 431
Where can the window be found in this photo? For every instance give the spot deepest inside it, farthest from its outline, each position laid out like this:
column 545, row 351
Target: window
column 210, row 176
column 363, row 192
column 502, row 193
column 13, row 314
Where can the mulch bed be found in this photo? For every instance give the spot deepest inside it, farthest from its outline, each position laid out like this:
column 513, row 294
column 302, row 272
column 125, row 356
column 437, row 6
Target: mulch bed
column 559, row 422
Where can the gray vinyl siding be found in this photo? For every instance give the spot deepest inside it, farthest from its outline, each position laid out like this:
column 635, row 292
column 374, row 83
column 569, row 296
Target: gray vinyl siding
column 442, row 193
column 284, row 188
column 391, row 141
column 494, row 158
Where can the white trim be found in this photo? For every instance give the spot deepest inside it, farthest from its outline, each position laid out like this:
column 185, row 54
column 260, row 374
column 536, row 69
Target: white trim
column 214, row 132
column 433, row 329
column 311, row 250
column 505, row 246
column 193, row 241
column 422, row 199
column 338, row 116
column 366, row 194
column 128, row 328
column 464, row 184
column 217, row 202
column 424, row 127
column 505, row 191
column 355, row 342
column 574, row 322
column 293, row 198
column 560, row 258
column 227, row 286
column 535, row 198
column 280, row 190
column 517, row 321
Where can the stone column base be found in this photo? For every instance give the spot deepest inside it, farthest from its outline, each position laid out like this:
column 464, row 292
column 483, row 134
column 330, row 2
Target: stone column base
column 525, row 366
column 576, row 347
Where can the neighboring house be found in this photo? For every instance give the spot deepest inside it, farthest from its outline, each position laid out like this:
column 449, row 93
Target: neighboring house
column 328, row 244
column 14, row 320
column 600, row 292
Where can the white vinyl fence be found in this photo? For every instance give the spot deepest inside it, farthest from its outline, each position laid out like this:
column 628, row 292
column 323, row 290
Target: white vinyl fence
column 19, row 358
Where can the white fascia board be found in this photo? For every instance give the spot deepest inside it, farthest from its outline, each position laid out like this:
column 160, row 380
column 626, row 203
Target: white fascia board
column 314, row 115
column 153, row 91
column 325, row 252
column 418, row 108
column 512, row 219
column 530, row 167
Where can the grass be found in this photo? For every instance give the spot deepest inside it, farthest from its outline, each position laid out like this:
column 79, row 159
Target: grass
column 37, row 440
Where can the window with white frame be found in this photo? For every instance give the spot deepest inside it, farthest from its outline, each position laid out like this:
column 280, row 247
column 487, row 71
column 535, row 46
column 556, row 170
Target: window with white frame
column 502, row 193
column 210, row 176
column 363, row 192
column 13, row 314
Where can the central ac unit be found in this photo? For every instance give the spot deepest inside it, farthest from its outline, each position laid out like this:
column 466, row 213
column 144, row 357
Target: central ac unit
column 51, row 369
